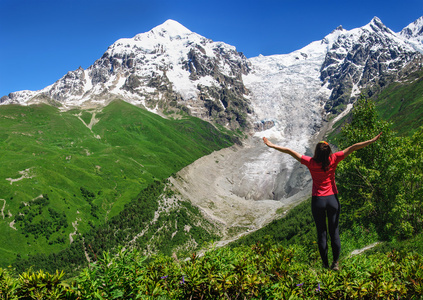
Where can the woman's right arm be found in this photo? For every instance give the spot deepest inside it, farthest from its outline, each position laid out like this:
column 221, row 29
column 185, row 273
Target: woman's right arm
column 361, row 145
column 291, row 152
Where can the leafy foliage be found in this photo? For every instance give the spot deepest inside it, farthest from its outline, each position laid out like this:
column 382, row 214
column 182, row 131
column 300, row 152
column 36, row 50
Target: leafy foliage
column 34, row 285
column 261, row 271
column 382, row 183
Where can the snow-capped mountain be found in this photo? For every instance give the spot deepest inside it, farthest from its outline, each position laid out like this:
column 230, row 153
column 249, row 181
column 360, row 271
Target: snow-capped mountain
column 413, row 34
column 328, row 74
column 171, row 68
column 165, row 69
column 284, row 97
column 367, row 58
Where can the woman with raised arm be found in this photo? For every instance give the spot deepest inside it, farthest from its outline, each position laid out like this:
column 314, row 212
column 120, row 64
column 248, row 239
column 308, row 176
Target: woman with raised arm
column 324, row 201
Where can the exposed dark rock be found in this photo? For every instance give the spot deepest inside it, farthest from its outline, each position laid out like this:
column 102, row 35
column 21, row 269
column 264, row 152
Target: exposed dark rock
column 4, row 99
column 263, row 125
column 132, row 83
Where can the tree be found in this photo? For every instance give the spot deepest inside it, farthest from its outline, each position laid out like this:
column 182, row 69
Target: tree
column 381, row 184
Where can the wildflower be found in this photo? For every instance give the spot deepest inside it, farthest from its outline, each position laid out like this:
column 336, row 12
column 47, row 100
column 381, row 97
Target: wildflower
column 318, row 287
column 163, row 277
column 300, row 284
column 183, row 280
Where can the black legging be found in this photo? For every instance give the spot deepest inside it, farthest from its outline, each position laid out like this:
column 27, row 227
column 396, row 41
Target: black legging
column 320, row 206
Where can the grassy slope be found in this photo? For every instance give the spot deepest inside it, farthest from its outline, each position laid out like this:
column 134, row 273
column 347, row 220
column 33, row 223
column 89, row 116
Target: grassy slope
column 402, row 104
column 399, row 103
column 62, row 155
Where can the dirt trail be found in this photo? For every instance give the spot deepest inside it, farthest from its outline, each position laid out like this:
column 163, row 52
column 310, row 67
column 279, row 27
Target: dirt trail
column 24, row 173
column 359, row 251
column 12, row 225
column 75, row 226
column 2, row 209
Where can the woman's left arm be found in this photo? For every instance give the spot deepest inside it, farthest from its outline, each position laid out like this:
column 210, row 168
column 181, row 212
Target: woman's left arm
column 291, row 152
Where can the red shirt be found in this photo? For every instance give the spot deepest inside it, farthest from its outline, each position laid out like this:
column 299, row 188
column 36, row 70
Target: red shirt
column 323, row 182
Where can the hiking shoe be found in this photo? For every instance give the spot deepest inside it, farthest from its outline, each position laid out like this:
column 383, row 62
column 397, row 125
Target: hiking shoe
column 335, row 266
column 325, row 266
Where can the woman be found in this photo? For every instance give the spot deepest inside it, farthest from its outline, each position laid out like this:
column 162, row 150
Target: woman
column 325, row 201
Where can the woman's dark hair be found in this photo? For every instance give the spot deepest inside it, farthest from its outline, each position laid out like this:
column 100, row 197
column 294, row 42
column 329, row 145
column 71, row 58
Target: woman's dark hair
column 322, row 154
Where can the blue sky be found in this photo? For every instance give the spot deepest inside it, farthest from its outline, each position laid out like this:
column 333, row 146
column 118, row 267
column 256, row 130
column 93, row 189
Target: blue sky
column 41, row 40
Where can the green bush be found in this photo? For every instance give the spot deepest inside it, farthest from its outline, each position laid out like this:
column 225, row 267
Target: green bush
column 262, row 271
column 380, row 185
column 8, row 285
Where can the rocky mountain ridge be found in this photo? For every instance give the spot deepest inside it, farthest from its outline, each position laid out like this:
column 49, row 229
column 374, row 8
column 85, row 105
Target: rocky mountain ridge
column 413, row 34
column 367, row 58
column 167, row 69
column 171, row 68
column 284, row 97
column 170, row 58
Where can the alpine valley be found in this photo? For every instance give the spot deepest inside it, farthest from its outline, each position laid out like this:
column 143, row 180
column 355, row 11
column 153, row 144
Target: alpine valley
column 157, row 145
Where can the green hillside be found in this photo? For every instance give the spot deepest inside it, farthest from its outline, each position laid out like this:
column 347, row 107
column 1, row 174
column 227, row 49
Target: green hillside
column 402, row 104
column 59, row 177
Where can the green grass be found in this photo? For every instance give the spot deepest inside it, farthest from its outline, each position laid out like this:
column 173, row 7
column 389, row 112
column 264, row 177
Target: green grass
column 126, row 150
column 402, row 104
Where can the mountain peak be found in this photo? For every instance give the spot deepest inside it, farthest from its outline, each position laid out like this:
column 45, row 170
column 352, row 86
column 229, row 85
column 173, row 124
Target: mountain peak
column 377, row 26
column 339, row 28
column 376, row 20
column 413, row 30
column 171, row 28
column 173, row 24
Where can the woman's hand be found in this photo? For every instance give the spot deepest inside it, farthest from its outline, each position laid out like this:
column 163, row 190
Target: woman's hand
column 268, row 143
column 376, row 137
